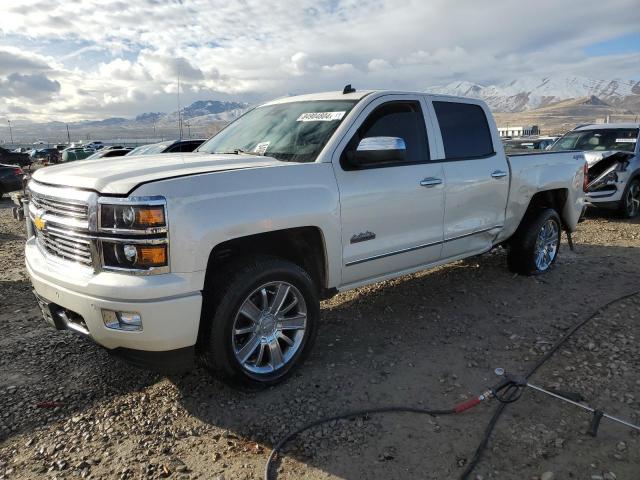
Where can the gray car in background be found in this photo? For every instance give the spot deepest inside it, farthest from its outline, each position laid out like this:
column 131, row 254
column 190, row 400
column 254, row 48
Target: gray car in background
column 612, row 152
column 169, row 146
column 76, row 153
column 109, row 152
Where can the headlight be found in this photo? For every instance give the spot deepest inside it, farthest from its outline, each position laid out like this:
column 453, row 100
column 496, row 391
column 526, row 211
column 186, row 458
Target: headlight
column 134, row 256
column 608, row 179
column 149, row 218
column 134, row 236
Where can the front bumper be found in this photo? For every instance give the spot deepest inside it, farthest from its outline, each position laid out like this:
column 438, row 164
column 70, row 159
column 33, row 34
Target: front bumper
column 605, row 198
column 169, row 307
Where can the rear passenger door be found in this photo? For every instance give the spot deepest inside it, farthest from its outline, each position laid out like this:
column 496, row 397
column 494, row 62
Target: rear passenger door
column 476, row 176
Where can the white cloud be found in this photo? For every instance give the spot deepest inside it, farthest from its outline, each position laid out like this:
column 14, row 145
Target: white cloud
column 299, row 64
column 378, row 64
column 255, row 49
column 29, row 86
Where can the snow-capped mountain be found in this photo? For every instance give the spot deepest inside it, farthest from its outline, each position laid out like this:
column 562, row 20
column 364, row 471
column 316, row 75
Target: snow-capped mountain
column 201, row 111
column 202, row 118
column 529, row 93
column 211, row 107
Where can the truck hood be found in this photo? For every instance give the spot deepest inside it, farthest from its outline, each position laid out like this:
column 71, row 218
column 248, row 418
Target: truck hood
column 120, row 175
column 594, row 157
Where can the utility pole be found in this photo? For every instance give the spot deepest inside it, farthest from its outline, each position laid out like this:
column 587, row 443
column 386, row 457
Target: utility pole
column 10, row 131
column 179, row 109
column 68, row 136
column 188, row 128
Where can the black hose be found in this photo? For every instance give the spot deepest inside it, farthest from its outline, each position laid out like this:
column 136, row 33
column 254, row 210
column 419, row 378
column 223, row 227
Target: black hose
column 510, row 396
column 345, row 416
column 498, row 412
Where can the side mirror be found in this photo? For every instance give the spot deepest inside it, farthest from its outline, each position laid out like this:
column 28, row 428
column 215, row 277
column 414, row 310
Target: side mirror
column 373, row 151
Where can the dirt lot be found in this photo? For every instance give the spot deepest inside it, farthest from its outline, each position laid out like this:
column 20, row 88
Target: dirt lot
column 431, row 339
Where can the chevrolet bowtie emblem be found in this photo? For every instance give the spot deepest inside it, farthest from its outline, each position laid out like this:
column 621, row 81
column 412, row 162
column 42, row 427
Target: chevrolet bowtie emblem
column 39, row 222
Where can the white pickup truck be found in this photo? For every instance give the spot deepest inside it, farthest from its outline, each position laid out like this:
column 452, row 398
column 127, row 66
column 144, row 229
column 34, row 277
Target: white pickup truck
column 224, row 254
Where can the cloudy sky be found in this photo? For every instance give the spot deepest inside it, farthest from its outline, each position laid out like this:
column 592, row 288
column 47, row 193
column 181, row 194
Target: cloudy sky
column 86, row 59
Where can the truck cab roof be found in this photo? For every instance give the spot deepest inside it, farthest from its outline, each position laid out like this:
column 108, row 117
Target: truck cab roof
column 357, row 95
column 605, row 126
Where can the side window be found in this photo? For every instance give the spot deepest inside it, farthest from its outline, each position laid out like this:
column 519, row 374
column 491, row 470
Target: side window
column 189, row 146
column 397, row 119
column 184, row 147
column 465, row 130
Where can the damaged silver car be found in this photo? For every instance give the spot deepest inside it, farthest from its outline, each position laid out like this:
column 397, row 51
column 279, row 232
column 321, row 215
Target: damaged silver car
column 611, row 151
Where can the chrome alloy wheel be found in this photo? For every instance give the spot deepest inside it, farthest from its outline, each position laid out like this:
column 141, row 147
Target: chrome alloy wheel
column 547, row 245
column 632, row 202
column 269, row 327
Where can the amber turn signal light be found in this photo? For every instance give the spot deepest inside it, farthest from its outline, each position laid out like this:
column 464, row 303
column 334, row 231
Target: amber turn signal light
column 150, row 216
column 152, row 255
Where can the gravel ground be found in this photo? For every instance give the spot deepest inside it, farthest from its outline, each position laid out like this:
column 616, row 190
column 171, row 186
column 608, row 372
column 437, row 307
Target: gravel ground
column 69, row 410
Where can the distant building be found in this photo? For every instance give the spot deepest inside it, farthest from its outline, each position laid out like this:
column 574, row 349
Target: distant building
column 519, row 131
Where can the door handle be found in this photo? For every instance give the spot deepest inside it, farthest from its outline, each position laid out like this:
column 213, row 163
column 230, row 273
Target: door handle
column 499, row 174
column 430, row 182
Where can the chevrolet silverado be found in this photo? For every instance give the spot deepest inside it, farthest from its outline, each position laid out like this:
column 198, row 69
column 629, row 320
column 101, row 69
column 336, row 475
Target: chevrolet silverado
column 223, row 254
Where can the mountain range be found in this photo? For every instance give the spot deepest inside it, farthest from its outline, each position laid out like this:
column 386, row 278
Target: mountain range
column 554, row 103
column 198, row 112
column 528, row 93
column 201, row 119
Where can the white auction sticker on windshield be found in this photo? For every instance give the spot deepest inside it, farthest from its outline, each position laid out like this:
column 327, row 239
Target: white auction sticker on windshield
column 261, row 148
column 320, row 116
column 625, row 140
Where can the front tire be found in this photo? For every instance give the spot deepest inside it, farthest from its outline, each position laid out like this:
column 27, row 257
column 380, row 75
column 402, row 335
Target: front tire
column 630, row 203
column 262, row 317
column 535, row 245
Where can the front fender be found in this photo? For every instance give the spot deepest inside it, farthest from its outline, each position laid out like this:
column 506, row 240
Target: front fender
column 206, row 210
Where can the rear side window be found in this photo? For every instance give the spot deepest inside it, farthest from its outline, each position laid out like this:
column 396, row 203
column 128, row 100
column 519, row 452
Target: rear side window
column 465, row 130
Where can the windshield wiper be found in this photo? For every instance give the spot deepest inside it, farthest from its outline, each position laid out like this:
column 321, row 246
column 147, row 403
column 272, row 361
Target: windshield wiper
column 235, row 151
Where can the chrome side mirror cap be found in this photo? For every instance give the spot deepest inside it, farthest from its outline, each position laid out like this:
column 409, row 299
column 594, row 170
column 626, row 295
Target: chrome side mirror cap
column 377, row 152
column 381, row 144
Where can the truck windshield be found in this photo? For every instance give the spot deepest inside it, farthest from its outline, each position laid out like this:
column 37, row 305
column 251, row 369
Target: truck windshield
column 622, row 139
column 292, row 132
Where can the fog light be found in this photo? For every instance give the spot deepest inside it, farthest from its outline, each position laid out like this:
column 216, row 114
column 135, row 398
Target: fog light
column 130, row 252
column 128, row 321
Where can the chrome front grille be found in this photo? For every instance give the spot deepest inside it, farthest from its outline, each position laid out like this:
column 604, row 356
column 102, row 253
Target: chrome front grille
column 55, row 242
column 60, row 207
column 62, row 219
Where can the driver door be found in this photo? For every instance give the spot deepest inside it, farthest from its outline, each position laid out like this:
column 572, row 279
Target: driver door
column 392, row 213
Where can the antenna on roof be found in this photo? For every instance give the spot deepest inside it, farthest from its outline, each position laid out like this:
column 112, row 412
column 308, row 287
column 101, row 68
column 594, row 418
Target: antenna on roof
column 348, row 89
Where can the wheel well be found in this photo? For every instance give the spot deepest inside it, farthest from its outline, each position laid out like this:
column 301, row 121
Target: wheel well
column 555, row 199
column 303, row 246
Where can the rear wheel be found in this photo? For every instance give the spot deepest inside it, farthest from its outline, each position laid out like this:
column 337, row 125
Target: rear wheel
column 630, row 203
column 262, row 317
column 535, row 245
